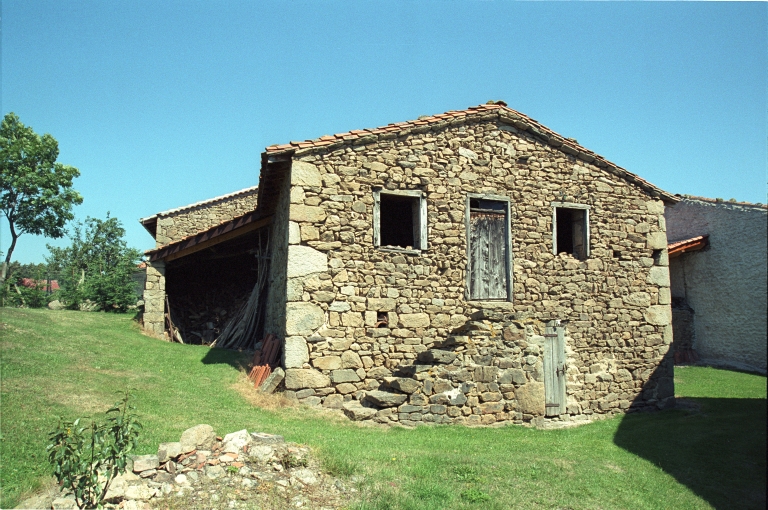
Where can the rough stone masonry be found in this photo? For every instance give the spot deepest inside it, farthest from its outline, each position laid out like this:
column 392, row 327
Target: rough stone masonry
column 392, row 334
column 175, row 225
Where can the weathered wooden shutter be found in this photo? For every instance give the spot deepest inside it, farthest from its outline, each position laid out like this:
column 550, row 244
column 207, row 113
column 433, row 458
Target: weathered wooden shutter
column 554, row 370
column 416, row 219
column 579, row 238
column 419, row 218
column 488, row 257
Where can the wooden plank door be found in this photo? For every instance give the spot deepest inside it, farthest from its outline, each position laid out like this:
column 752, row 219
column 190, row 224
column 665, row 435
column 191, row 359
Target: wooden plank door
column 554, row 369
column 488, row 255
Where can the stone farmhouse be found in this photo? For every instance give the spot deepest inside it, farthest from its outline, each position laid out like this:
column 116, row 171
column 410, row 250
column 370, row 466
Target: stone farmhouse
column 719, row 280
column 468, row 267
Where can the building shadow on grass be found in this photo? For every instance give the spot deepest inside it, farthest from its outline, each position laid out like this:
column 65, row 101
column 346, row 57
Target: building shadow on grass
column 237, row 360
column 714, row 446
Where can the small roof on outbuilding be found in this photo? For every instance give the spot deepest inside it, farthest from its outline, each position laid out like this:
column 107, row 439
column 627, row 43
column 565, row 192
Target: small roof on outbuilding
column 224, row 231
column 687, row 245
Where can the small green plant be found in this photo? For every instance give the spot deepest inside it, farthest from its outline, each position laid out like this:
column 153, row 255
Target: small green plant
column 232, row 469
column 87, row 458
column 473, row 495
column 466, row 474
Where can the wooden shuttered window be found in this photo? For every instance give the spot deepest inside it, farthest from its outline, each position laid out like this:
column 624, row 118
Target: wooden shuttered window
column 488, row 245
column 578, row 224
column 555, row 368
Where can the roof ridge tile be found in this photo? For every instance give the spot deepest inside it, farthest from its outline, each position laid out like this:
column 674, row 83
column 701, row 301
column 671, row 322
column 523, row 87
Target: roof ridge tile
column 200, row 203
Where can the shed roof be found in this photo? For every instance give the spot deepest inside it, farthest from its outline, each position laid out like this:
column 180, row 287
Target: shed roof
column 224, row 231
column 720, row 201
column 687, row 245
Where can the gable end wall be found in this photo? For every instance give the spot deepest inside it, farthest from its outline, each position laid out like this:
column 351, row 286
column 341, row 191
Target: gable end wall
column 177, row 225
column 472, row 362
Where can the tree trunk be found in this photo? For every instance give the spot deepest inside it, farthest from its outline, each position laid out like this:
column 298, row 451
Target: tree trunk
column 4, row 267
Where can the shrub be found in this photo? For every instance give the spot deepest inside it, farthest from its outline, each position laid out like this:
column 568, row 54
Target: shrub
column 98, row 266
column 87, row 458
column 30, row 297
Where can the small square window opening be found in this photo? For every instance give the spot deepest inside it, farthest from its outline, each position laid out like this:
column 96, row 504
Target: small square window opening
column 571, row 232
column 400, row 220
column 397, row 221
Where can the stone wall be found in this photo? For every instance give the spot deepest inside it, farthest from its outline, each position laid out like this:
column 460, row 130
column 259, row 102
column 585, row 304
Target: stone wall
column 154, row 299
column 726, row 283
column 178, row 224
column 440, row 357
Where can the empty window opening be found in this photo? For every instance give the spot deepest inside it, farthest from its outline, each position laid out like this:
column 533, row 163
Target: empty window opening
column 397, row 220
column 382, row 320
column 572, row 232
column 400, row 220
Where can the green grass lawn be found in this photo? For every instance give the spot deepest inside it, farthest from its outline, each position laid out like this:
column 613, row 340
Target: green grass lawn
column 711, row 454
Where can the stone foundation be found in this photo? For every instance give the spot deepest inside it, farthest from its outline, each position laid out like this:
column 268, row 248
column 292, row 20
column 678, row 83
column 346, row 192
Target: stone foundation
column 491, row 370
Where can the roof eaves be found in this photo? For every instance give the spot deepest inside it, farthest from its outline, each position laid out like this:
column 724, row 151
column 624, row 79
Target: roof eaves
column 720, row 201
column 209, row 233
column 517, row 119
column 687, row 245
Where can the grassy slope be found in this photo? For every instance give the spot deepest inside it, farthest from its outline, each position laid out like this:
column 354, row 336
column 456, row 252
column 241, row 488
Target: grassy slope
column 74, row 364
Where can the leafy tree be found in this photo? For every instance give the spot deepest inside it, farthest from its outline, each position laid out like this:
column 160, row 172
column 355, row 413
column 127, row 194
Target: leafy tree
column 36, row 194
column 97, row 266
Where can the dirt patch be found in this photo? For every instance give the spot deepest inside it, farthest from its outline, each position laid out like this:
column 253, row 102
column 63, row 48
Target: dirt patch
column 42, row 496
column 268, row 401
column 65, row 393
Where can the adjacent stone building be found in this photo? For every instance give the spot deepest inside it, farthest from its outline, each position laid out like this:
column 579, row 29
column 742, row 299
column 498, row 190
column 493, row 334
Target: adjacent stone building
column 175, row 226
column 469, row 267
column 719, row 277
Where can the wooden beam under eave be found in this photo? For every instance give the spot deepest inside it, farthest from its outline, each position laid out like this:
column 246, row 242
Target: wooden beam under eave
column 250, row 227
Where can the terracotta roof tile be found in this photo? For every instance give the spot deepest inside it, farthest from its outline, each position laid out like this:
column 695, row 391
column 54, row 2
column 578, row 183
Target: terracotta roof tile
column 197, row 204
column 724, row 202
column 686, row 245
column 504, row 112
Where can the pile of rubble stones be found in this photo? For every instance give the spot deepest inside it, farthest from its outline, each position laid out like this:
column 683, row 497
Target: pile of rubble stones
column 240, row 470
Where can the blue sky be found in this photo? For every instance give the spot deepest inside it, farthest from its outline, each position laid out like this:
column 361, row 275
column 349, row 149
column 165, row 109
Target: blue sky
column 161, row 104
